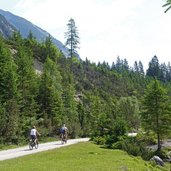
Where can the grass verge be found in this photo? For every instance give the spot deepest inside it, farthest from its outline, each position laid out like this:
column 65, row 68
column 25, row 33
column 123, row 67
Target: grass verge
column 79, row 157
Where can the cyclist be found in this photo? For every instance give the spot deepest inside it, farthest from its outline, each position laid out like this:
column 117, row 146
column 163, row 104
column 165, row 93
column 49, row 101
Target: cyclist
column 33, row 134
column 64, row 133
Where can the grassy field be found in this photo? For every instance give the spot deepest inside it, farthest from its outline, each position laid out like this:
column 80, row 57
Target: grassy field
column 78, row 157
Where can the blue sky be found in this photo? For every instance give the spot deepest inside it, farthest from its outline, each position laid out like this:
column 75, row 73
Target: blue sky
column 134, row 29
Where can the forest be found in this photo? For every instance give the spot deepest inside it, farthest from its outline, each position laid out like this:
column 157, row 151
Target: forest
column 94, row 100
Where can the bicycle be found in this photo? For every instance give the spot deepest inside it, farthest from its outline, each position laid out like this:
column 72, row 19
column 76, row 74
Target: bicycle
column 63, row 138
column 33, row 143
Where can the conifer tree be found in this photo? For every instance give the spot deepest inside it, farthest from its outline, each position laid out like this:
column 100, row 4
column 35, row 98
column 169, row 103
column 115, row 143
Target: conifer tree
column 156, row 114
column 136, row 68
column 50, row 49
column 154, row 68
column 141, row 68
column 72, row 38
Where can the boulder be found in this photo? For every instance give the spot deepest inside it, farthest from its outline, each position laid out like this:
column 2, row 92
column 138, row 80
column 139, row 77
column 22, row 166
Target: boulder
column 157, row 160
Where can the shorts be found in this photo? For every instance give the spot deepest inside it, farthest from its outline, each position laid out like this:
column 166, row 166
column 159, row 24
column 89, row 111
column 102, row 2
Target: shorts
column 33, row 137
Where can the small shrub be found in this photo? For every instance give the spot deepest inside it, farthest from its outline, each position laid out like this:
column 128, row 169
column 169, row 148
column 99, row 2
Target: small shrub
column 147, row 154
column 147, row 139
column 99, row 140
column 110, row 139
column 117, row 145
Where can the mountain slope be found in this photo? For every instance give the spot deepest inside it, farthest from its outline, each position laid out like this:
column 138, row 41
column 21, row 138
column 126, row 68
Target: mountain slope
column 6, row 28
column 24, row 26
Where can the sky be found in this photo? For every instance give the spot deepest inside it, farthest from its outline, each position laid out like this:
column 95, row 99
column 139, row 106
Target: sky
column 133, row 29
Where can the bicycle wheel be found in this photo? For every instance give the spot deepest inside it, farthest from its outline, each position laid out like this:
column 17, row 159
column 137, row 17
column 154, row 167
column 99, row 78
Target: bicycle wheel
column 36, row 145
column 30, row 146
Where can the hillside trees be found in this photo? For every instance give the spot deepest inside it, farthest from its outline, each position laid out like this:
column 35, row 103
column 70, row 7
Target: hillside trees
column 50, row 96
column 72, row 38
column 156, row 113
column 102, row 111
column 82, row 117
column 90, row 99
column 31, row 43
column 160, row 71
column 47, row 49
column 8, row 96
column 128, row 110
column 28, row 87
column 138, row 68
column 70, row 103
column 95, row 108
column 50, row 50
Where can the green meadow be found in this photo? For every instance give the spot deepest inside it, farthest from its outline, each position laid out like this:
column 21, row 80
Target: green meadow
column 79, row 157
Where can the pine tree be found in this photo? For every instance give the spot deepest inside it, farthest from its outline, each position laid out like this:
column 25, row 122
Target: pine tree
column 141, row 68
column 168, row 76
column 156, row 114
column 154, row 68
column 136, row 67
column 163, row 72
column 72, row 38
column 50, row 49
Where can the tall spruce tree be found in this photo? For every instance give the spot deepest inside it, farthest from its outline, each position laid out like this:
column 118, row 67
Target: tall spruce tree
column 72, row 38
column 156, row 114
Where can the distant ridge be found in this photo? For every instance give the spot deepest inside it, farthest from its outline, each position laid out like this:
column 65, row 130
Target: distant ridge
column 10, row 23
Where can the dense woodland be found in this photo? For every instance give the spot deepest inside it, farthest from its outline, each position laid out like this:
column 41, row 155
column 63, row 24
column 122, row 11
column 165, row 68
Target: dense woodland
column 93, row 100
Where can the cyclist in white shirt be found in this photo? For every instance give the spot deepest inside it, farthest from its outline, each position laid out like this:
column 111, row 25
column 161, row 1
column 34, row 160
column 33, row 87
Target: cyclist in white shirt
column 34, row 133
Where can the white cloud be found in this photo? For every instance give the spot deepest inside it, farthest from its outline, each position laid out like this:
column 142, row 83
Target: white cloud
column 22, row 4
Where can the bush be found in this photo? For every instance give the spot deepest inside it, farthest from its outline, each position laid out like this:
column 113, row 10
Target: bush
column 110, row 139
column 117, row 145
column 132, row 147
column 99, row 140
column 147, row 139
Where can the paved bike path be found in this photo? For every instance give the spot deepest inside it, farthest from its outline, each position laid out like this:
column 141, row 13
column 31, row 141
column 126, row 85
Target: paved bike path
column 22, row 151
